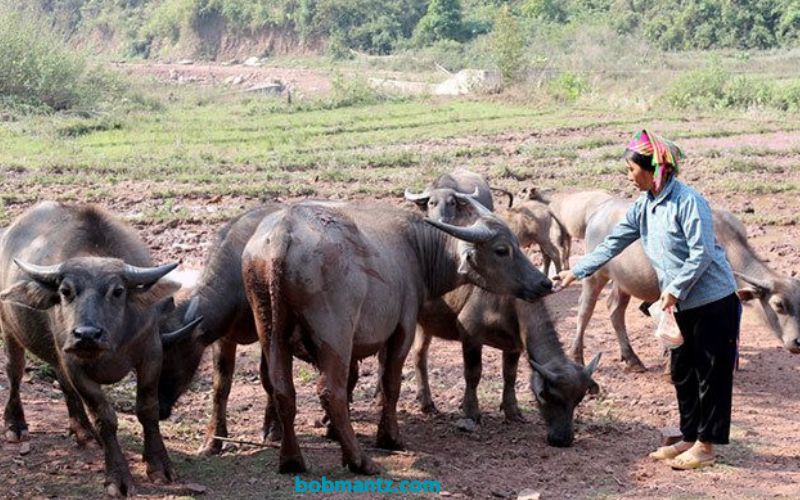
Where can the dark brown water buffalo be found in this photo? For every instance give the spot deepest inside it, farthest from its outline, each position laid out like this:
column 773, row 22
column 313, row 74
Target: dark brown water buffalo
column 342, row 282
column 79, row 292
column 633, row 275
column 439, row 200
column 477, row 318
column 227, row 322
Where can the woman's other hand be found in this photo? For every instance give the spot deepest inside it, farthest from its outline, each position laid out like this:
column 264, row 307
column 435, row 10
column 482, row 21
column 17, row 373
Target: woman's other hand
column 668, row 301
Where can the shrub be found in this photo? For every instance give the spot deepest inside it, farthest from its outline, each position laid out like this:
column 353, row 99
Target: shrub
column 508, row 45
column 442, row 21
column 567, row 87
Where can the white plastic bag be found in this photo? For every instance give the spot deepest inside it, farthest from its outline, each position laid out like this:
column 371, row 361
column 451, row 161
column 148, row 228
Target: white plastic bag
column 667, row 330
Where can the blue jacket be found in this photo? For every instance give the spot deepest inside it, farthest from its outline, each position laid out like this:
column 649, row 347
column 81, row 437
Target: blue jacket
column 677, row 232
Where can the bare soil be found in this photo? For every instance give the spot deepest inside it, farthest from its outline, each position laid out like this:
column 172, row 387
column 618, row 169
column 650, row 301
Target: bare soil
column 615, row 429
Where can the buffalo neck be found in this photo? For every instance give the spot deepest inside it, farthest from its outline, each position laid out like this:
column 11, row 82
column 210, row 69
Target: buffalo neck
column 220, row 297
column 538, row 331
column 437, row 254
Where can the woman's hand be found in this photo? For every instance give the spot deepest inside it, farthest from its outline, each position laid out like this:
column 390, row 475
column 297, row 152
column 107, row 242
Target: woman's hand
column 563, row 280
column 668, row 301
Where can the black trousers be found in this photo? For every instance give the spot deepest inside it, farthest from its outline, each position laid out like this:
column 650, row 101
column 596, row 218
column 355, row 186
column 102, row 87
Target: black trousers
column 702, row 369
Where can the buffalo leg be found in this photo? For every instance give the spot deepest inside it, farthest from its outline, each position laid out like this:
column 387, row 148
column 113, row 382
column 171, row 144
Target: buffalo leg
column 224, row 366
column 159, row 466
column 396, row 350
column 617, row 303
column 271, row 430
column 333, row 395
column 118, row 479
column 471, row 351
column 550, row 254
column 422, row 343
column 590, row 291
column 14, row 415
column 352, row 380
column 509, row 405
column 79, row 424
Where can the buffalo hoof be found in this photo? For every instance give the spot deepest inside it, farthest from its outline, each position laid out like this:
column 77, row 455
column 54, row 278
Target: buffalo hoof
column 292, row 465
column 635, row 366
column 158, row 477
column 366, row 466
column 515, row 416
column 15, row 434
column 210, row 447
column 428, row 408
column 120, row 486
column 83, row 436
column 274, row 435
column 387, row 442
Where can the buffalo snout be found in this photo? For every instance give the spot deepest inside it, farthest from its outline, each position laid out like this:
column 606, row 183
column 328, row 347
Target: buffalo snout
column 87, row 340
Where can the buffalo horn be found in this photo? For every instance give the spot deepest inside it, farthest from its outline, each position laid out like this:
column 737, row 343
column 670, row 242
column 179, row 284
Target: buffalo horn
column 145, row 276
column 49, row 275
column 478, row 206
column 590, row 368
column 476, row 233
column 167, row 339
column 417, row 197
column 544, row 372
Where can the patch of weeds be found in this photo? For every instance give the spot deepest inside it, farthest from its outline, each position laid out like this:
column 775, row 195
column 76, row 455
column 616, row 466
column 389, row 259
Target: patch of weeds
column 5, row 216
column 166, row 212
column 306, row 374
column 39, row 369
column 746, row 165
column 81, row 126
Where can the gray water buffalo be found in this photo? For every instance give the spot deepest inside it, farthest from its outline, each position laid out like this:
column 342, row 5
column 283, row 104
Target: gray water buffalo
column 344, row 282
column 79, row 291
column 439, row 201
column 533, row 223
column 633, row 275
column 477, row 318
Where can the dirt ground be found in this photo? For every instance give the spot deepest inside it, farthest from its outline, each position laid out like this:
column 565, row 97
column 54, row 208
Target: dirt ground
column 615, row 429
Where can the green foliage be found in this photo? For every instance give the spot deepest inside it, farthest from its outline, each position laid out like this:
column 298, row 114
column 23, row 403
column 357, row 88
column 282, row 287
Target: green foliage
column 442, row 21
column 715, row 88
column 567, row 87
column 508, row 45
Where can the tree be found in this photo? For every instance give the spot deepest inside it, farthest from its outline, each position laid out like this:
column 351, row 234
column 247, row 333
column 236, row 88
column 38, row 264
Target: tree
column 508, row 45
column 442, row 21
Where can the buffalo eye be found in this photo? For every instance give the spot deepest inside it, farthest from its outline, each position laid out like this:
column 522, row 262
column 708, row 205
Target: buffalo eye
column 431, row 203
column 66, row 293
column 117, row 292
column 451, row 202
column 503, row 251
column 779, row 307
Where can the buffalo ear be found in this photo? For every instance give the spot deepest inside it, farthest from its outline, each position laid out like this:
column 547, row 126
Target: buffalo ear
column 749, row 293
column 30, row 294
column 594, row 388
column 162, row 289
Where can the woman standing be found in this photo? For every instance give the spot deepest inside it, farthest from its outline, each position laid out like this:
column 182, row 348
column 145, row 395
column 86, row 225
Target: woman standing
column 675, row 225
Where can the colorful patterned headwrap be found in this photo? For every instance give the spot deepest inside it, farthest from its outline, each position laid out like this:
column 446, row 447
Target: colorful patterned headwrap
column 666, row 154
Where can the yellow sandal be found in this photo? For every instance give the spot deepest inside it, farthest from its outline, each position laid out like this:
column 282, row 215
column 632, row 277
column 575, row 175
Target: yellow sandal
column 689, row 461
column 666, row 453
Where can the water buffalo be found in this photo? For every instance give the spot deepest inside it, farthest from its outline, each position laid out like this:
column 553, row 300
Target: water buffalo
column 572, row 210
column 533, row 222
column 439, row 200
column 345, row 282
column 477, row 318
column 633, row 275
column 79, row 291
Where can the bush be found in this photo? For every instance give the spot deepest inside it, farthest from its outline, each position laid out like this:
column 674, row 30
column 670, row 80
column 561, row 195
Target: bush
column 787, row 97
column 36, row 69
column 442, row 21
column 716, row 88
column 567, row 87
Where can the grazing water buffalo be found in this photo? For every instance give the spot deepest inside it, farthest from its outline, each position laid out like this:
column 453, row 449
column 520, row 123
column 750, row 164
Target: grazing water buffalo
column 477, row 318
column 633, row 275
column 79, row 292
column 440, row 202
column 227, row 322
column 343, row 282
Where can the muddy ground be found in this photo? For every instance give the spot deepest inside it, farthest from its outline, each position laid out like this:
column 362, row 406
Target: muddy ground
column 615, row 429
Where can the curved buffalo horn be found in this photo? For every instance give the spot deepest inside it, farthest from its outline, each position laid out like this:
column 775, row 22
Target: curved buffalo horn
column 505, row 193
column 49, row 275
column 417, row 197
column 168, row 339
column 544, row 372
column 476, row 233
column 590, row 368
column 191, row 311
column 145, row 276
column 766, row 285
column 478, row 206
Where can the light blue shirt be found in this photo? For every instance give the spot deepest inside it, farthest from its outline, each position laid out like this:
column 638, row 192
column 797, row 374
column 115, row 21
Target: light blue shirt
column 677, row 232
